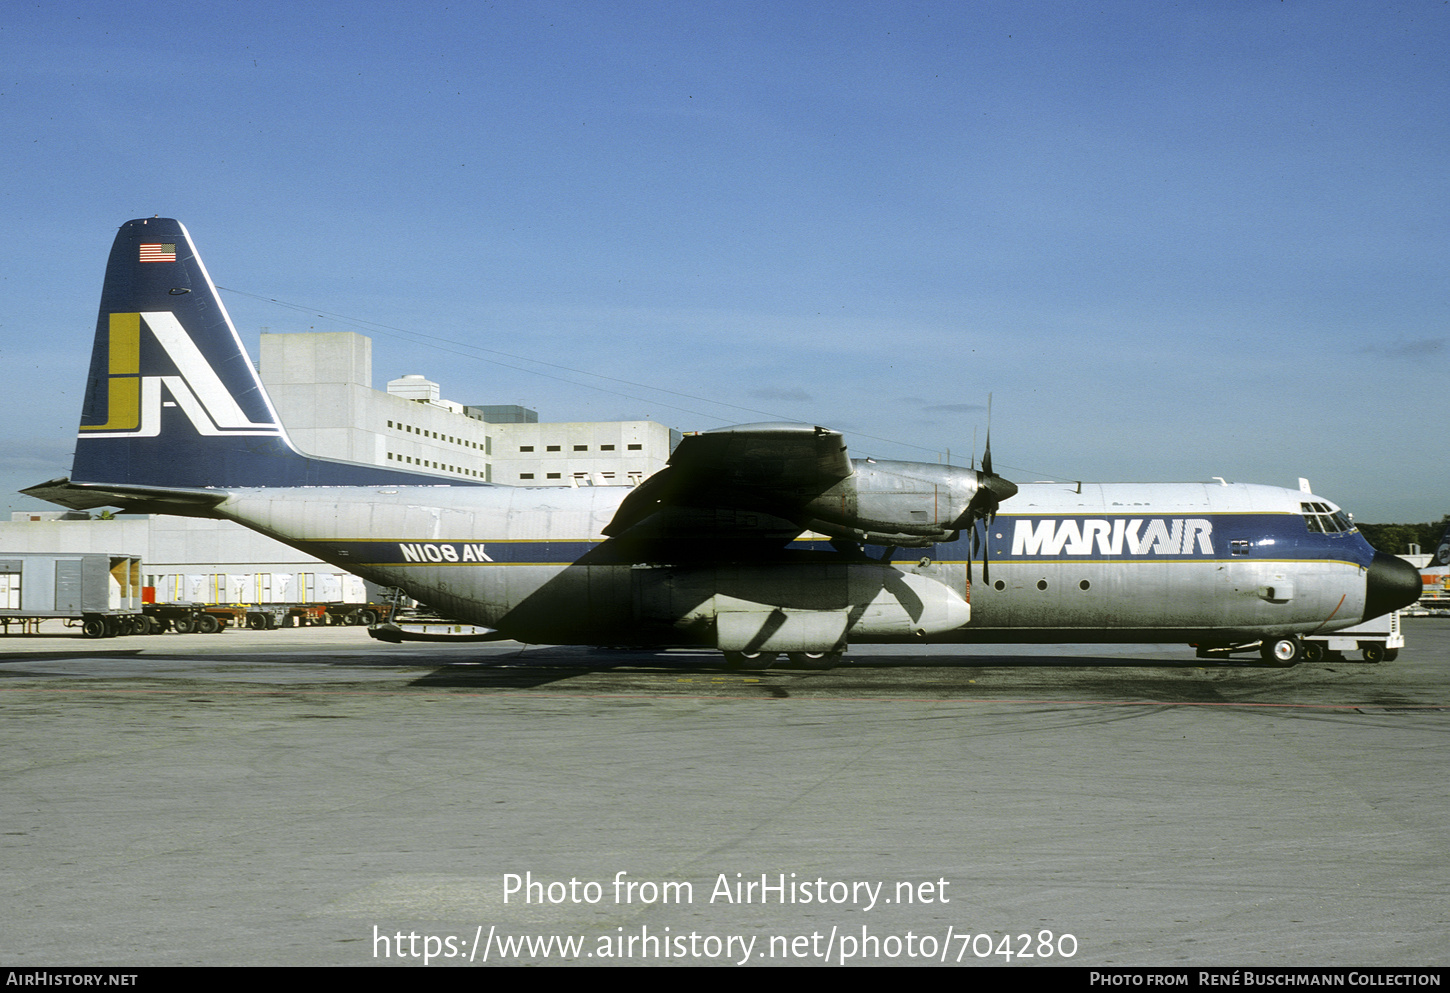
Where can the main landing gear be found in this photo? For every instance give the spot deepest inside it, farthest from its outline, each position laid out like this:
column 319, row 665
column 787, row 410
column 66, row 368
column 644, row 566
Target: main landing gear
column 764, row 660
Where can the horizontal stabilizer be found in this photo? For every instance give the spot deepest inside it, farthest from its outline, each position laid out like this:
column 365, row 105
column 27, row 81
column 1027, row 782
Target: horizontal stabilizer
column 140, row 500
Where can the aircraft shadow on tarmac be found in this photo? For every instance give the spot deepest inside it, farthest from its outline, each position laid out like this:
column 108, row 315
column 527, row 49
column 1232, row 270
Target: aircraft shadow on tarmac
column 644, row 670
column 899, row 671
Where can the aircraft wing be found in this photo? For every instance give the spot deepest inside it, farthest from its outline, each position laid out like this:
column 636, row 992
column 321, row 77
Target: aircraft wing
column 750, row 478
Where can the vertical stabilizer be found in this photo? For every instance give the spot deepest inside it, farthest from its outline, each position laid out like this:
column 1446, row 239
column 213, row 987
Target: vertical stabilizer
column 173, row 400
column 1440, row 559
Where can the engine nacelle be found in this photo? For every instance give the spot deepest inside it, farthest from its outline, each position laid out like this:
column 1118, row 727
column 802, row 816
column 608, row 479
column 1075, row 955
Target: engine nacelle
column 908, row 504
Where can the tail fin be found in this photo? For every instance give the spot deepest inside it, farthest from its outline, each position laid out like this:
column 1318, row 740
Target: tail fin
column 1441, row 558
column 173, row 400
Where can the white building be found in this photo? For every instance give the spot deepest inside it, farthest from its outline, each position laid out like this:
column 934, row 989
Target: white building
column 321, row 387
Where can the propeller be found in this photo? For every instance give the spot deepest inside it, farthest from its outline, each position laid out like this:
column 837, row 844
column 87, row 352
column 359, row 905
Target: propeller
column 992, row 489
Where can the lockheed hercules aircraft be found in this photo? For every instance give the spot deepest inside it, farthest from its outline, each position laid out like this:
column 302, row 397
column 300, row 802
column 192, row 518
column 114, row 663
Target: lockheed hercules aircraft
column 754, row 540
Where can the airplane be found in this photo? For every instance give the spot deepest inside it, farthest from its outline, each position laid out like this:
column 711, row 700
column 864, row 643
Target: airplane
column 1435, row 574
column 754, row 540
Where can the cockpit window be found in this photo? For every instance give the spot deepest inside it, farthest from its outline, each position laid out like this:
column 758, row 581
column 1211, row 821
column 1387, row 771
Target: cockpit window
column 1321, row 518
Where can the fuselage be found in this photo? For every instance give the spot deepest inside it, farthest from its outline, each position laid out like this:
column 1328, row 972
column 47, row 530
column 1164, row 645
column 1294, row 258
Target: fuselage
column 1082, row 562
column 753, row 539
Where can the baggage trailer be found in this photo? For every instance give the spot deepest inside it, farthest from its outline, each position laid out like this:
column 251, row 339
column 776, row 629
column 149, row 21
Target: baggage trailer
column 97, row 591
column 365, row 614
column 183, row 618
column 1377, row 640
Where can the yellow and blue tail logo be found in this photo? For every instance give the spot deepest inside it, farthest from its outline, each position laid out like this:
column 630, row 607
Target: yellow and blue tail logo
column 173, row 399
column 134, row 402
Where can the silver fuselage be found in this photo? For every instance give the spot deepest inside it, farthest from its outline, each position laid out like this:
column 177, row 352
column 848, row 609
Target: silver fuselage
column 1074, row 562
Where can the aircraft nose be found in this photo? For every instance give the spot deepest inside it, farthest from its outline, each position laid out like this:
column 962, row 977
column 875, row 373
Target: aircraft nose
column 1392, row 583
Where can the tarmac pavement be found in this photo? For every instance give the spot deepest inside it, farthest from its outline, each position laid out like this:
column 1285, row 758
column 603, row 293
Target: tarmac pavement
column 314, row 797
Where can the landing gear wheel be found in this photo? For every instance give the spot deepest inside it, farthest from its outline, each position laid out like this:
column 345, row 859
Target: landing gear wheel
column 749, row 660
column 1282, row 652
column 815, row 660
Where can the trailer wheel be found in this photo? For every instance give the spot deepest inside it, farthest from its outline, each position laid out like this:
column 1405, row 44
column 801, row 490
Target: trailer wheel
column 1374, row 653
column 367, row 618
column 1313, row 651
column 257, row 622
column 208, row 624
column 184, row 625
column 1391, row 654
column 93, row 627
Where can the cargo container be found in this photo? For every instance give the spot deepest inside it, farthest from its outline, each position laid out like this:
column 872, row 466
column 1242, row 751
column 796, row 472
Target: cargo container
column 99, row 592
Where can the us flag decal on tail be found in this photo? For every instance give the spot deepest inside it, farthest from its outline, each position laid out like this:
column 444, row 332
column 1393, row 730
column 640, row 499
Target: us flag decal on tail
column 158, row 253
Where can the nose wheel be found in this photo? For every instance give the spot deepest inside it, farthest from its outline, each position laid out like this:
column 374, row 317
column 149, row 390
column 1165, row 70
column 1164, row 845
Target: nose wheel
column 1282, row 651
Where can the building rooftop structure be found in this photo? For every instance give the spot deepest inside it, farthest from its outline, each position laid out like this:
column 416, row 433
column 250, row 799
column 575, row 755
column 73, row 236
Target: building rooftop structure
column 321, row 385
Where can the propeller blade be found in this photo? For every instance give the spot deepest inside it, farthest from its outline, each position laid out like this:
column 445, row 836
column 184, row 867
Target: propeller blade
column 971, row 553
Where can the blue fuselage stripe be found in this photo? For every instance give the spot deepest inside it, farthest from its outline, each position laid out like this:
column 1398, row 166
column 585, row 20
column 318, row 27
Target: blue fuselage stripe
column 1020, row 539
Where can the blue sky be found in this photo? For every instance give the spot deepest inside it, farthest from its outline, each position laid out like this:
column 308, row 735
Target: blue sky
column 1174, row 241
